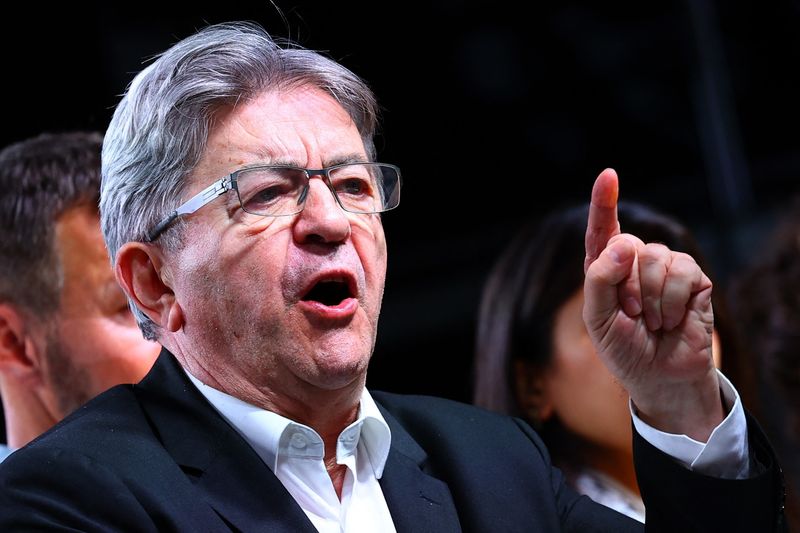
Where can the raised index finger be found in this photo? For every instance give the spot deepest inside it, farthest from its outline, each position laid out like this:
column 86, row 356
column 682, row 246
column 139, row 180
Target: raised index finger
column 603, row 223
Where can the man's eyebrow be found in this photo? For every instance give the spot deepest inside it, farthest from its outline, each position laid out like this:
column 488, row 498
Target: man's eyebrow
column 349, row 158
column 265, row 158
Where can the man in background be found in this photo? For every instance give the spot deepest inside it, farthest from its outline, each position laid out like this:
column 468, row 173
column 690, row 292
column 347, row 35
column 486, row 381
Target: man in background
column 66, row 332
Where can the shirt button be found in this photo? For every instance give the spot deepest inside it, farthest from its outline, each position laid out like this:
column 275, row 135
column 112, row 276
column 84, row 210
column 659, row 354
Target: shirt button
column 298, row 441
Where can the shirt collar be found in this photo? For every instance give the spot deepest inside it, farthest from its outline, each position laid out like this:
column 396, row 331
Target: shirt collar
column 266, row 431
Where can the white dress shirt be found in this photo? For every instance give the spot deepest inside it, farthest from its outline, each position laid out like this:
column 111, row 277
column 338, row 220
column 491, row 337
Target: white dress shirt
column 725, row 455
column 294, row 452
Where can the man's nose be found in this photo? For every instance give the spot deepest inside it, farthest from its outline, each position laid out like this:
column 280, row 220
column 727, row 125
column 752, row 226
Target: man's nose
column 322, row 218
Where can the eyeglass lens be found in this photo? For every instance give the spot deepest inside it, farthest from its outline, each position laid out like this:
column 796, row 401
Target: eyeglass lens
column 360, row 188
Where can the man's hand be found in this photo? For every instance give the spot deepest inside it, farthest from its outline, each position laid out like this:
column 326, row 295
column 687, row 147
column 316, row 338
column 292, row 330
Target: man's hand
column 648, row 313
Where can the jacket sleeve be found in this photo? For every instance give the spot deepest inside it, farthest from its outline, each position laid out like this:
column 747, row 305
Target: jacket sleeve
column 54, row 490
column 678, row 499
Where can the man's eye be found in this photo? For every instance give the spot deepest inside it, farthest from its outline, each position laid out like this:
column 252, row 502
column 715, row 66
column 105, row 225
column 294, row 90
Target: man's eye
column 267, row 195
column 352, row 186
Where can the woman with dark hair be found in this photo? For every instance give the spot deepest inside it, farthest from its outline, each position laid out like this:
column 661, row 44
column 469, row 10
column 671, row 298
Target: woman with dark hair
column 535, row 360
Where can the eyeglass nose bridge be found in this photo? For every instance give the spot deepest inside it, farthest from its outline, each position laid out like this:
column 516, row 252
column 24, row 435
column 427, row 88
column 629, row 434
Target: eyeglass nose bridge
column 326, row 179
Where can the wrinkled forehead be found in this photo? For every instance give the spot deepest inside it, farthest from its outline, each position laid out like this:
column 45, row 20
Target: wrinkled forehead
column 302, row 126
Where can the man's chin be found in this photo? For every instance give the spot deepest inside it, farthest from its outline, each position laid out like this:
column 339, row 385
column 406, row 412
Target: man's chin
column 342, row 376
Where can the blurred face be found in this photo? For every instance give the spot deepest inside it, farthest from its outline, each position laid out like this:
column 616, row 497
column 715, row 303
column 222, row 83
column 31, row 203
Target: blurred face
column 94, row 342
column 583, row 394
column 286, row 304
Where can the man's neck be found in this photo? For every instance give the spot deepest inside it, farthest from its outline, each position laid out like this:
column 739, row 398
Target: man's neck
column 26, row 415
column 327, row 411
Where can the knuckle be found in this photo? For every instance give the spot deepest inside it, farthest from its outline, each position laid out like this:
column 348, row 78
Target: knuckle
column 654, row 254
column 684, row 269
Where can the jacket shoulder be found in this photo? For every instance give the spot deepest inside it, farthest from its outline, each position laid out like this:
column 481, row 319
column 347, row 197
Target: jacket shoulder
column 444, row 424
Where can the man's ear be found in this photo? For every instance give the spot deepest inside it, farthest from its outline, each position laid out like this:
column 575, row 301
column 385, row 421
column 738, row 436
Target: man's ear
column 18, row 351
column 531, row 392
column 140, row 272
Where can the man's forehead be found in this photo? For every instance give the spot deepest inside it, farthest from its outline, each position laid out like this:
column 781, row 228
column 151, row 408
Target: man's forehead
column 80, row 223
column 280, row 127
column 279, row 108
column 80, row 246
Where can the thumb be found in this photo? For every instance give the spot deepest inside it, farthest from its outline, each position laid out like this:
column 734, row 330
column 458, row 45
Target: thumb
column 604, row 277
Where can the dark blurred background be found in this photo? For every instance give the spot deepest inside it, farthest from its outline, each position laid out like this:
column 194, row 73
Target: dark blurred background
column 496, row 112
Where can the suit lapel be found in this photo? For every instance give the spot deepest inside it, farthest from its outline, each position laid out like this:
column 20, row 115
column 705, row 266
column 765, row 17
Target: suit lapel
column 245, row 493
column 417, row 501
column 224, row 469
column 254, row 501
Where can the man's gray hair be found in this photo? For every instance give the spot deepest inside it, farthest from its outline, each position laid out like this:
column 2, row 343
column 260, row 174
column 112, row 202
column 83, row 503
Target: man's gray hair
column 159, row 130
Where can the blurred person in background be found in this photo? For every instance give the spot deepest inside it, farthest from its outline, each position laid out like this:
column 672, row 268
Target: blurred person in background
column 534, row 358
column 66, row 332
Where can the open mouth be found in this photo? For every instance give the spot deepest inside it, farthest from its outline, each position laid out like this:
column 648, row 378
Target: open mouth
column 329, row 292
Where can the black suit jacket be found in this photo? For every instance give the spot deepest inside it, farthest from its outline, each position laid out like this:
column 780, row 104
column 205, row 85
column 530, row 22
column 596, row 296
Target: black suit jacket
column 157, row 457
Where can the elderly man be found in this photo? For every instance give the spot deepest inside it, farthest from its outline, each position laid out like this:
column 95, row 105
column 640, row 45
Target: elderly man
column 241, row 203
column 66, row 331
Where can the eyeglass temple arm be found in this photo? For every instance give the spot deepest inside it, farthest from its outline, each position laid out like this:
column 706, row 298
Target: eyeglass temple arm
column 215, row 190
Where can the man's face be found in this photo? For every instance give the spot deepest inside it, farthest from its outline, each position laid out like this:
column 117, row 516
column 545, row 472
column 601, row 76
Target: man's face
column 94, row 342
column 279, row 305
